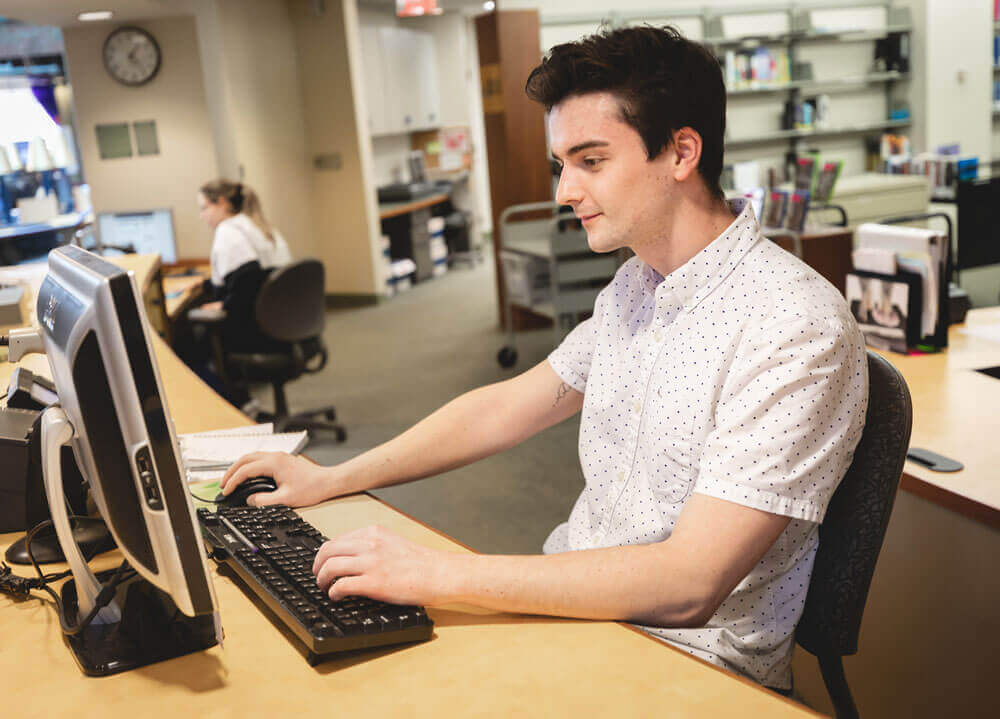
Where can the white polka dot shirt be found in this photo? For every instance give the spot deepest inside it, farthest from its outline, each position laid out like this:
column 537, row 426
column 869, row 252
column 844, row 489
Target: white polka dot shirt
column 741, row 375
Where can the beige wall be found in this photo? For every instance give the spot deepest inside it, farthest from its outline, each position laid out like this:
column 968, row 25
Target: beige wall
column 343, row 200
column 255, row 103
column 175, row 99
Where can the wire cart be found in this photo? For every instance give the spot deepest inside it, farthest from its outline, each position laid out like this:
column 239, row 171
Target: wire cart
column 549, row 269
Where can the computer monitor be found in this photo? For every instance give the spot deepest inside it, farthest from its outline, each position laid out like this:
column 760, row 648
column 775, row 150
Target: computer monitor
column 978, row 222
column 114, row 412
column 146, row 231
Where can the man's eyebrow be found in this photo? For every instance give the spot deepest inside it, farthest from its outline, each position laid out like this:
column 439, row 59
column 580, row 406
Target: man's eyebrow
column 581, row 147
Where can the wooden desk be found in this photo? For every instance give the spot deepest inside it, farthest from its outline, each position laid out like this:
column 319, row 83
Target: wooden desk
column 394, row 209
column 478, row 663
column 59, row 223
column 826, row 249
column 181, row 290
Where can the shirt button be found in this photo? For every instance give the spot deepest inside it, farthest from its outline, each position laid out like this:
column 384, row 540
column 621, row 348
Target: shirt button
column 621, row 476
column 658, row 336
column 637, row 407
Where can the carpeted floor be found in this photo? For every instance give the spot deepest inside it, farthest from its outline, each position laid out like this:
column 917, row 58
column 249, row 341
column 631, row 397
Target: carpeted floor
column 392, row 364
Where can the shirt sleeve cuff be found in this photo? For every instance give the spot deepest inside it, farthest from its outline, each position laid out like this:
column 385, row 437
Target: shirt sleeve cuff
column 761, row 499
column 566, row 374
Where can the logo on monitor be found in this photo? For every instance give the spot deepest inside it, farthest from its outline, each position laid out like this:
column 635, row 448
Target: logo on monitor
column 48, row 317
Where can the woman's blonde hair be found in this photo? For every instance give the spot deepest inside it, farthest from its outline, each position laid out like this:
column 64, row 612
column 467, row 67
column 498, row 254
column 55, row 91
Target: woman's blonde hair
column 241, row 198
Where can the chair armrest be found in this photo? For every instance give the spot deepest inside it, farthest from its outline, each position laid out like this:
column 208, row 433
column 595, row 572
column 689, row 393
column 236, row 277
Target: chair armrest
column 206, row 316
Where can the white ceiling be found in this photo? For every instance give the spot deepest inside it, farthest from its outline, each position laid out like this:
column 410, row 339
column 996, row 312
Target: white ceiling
column 63, row 12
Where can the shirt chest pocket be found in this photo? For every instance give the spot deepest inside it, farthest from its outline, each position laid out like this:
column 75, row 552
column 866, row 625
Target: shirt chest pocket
column 672, row 468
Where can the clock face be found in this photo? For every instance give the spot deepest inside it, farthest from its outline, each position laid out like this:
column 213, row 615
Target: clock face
column 131, row 55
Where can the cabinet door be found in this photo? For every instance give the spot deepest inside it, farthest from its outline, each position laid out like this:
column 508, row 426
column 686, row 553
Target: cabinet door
column 428, row 108
column 374, row 79
column 398, row 50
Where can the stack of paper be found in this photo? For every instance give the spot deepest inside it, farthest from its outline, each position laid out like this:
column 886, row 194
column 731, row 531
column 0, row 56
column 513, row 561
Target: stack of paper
column 923, row 252
column 207, row 455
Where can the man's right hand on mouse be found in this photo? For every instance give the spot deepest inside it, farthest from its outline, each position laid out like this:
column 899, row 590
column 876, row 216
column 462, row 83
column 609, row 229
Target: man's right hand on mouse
column 300, row 482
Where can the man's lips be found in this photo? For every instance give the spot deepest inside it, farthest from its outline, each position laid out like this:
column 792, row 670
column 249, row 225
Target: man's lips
column 587, row 218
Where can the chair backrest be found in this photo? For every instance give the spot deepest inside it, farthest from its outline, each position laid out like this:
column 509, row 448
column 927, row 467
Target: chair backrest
column 851, row 535
column 291, row 303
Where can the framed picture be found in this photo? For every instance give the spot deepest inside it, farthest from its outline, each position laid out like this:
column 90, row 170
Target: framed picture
column 886, row 307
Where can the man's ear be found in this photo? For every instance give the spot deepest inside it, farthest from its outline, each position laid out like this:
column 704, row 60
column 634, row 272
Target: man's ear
column 687, row 153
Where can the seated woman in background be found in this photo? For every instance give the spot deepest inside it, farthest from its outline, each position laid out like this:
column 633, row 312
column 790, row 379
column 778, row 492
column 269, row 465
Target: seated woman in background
column 245, row 248
column 242, row 235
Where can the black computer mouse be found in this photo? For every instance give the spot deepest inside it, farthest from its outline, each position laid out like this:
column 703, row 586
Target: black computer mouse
column 238, row 497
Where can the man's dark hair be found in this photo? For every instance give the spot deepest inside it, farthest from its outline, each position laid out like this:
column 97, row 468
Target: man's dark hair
column 664, row 82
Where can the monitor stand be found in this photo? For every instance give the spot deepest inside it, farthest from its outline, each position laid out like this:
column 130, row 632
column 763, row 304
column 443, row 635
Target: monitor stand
column 90, row 533
column 141, row 625
column 151, row 629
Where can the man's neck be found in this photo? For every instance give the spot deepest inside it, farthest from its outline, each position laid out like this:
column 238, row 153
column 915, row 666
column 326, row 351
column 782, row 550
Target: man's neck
column 695, row 223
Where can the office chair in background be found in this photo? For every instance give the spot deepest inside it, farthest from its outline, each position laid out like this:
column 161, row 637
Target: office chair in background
column 852, row 532
column 289, row 314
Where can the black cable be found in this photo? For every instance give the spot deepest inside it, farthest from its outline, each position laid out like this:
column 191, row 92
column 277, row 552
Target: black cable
column 103, row 599
column 205, row 499
column 20, row 587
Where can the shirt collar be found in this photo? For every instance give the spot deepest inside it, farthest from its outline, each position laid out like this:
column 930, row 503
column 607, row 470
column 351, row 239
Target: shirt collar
column 690, row 283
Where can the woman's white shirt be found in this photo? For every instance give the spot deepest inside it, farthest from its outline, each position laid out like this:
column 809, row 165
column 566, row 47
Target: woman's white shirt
column 238, row 241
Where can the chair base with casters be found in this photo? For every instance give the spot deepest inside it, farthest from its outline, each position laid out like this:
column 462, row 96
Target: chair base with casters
column 277, row 369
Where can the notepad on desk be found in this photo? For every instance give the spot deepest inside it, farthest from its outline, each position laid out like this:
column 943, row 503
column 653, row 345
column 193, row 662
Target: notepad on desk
column 207, row 455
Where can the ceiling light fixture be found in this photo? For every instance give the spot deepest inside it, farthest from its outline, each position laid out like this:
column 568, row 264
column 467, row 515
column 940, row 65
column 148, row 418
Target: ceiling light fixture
column 94, row 16
column 489, row 6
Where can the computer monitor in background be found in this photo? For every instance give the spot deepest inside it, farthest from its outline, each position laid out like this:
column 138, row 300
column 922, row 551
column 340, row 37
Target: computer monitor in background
column 114, row 412
column 978, row 222
column 146, row 231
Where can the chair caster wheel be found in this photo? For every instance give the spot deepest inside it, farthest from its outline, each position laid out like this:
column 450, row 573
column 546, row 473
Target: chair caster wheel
column 341, row 434
column 331, row 415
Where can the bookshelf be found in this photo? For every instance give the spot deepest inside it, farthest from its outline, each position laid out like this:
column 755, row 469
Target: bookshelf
column 805, row 32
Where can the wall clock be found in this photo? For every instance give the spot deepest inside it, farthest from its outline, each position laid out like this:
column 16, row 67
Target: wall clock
column 131, row 56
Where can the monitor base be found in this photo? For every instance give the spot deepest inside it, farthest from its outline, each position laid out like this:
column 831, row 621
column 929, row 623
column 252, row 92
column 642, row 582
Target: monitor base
column 151, row 630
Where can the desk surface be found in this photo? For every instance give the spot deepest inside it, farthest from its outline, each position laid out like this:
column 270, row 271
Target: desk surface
column 478, row 663
column 180, row 290
column 59, row 222
column 392, row 209
column 956, row 412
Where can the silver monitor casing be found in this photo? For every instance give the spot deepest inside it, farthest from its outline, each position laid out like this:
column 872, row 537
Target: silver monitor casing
column 75, row 300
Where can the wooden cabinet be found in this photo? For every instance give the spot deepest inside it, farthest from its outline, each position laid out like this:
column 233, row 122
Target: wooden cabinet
column 401, row 79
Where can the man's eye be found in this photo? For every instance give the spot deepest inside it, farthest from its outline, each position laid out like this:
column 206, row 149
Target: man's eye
column 593, row 162
column 556, row 168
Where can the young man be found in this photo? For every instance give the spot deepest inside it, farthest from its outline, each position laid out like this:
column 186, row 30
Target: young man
column 723, row 385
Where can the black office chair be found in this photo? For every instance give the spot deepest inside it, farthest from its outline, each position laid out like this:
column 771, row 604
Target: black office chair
column 851, row 535
column 289, row 314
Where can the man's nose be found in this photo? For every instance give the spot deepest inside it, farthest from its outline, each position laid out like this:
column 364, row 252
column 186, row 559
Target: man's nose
column 568, row 192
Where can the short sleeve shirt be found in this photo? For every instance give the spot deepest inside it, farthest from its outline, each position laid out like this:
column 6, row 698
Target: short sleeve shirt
column 237, row 241
column 741, row 375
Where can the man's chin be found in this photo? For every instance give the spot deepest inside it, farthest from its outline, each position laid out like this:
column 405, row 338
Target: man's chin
column 600, row 243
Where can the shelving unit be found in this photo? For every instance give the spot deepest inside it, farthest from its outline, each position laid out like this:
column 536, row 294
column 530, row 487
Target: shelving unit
column 800, row 31
column 794, row 135
column 804, row 35
column 844, row 82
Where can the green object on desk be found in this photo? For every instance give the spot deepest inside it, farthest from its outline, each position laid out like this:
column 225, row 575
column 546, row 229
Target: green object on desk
column 206, row 494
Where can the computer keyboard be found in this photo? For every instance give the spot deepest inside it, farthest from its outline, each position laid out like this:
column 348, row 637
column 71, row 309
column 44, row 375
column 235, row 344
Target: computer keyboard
column 271, row 549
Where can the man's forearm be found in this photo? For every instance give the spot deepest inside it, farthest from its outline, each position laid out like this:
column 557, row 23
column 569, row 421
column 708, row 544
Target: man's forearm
column 642, row 584
column 470, row 427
